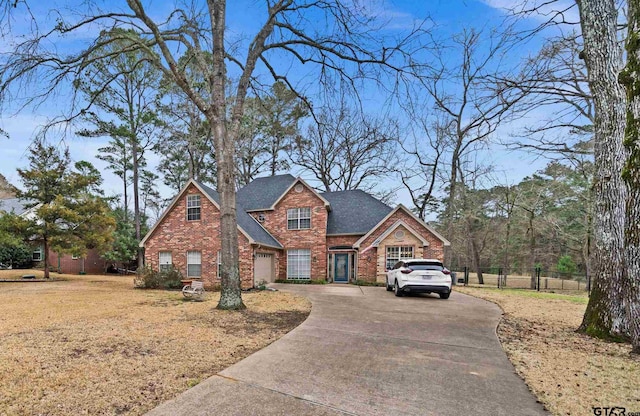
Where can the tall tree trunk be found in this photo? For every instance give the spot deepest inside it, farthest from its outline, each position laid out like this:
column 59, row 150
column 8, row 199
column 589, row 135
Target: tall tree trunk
column 630, row 77
column 45, row 241
column 532, row 250
column 136, row 202
column 605, row 315
column 126, row 199
column 453, row 179
column 231, row 295
column 476, row 259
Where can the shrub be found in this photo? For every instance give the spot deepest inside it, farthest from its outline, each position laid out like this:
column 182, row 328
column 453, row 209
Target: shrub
column 303, row 282
column 18, row 255
column 366, row 283
column 170, row 278
column 151, row 279
column 147, row 278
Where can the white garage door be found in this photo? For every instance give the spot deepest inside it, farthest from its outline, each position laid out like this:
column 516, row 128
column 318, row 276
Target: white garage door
column 264, row 268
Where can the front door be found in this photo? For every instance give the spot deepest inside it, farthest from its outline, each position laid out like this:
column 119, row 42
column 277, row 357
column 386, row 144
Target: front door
column 341, row 268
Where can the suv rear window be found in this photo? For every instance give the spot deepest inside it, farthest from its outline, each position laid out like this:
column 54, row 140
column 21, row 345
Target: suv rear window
column 425, row 265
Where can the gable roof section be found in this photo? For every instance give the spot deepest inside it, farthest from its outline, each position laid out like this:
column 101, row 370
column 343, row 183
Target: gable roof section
column 394, row 227
column 261, row 194
column 246, row 223
column 354, row 212
column 12, row 205
column 407, row 211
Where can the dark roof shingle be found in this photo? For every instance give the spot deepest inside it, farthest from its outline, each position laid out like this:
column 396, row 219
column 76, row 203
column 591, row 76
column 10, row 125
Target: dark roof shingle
column 15, row 205
column 354, row 212
column 262, row 193
column 246, row 221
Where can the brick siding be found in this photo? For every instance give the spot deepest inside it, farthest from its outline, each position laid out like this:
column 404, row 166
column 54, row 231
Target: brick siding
column 93, row 263
column 177, row 235
column 314, row 239
column 371, row 264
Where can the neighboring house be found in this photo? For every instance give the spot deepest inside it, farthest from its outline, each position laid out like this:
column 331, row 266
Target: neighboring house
column 92, row 263
column 287, row 230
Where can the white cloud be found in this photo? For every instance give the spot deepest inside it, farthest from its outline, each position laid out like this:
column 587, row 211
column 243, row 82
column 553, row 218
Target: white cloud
column 541, row 10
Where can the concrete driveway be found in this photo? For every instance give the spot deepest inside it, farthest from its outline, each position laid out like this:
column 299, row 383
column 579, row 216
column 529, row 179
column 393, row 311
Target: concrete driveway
column 362, row 351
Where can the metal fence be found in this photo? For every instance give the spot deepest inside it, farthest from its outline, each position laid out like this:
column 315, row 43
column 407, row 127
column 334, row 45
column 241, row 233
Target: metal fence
column 542, row 280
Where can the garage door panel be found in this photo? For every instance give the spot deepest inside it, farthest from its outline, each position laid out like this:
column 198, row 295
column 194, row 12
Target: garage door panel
column 264, row 268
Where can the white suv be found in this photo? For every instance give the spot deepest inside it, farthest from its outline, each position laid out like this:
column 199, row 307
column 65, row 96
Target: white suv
column 419, row 276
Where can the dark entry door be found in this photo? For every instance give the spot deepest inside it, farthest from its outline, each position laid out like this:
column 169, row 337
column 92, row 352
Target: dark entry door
column 341, row 268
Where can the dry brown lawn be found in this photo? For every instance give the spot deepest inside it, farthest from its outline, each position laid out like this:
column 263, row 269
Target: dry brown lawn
column 94, row 345
column 569, row 372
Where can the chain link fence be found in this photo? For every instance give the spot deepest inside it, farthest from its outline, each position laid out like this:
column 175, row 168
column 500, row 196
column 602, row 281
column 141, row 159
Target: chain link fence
column 538, row 279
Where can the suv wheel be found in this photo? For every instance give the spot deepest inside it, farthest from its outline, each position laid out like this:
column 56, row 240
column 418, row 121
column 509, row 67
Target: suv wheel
column 396, row 289
column 389, row 288
column 445, row 295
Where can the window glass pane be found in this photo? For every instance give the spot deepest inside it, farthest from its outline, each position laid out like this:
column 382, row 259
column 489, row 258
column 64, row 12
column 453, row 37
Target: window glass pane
column 193, row 207
column 299, row 264
column 194, row 267
column 219, row 263
column 305, row 224
column 292, row 214
column 292, row 224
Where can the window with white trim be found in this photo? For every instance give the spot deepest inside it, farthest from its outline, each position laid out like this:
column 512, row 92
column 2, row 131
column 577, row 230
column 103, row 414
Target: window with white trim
column 193, row 207
column 37, row 254
column 299, row 264
column 194, row 264
column 397, row 253
column 164, row 261
column 299, row 218
column 219, row 264
column 74, row 257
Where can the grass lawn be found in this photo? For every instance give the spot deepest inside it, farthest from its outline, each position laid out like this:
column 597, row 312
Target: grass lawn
column 94, row 345
column 569, row 372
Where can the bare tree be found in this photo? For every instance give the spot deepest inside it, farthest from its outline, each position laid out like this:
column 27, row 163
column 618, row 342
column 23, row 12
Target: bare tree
column 421, row 166
column 338, row 39
column 345, row 150
column 472, row 99
column 556, row 83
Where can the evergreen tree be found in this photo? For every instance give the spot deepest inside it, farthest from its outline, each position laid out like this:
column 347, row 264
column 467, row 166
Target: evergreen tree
column 70, row 215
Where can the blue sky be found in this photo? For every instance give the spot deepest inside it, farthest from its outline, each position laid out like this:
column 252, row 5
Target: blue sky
column 448, row 18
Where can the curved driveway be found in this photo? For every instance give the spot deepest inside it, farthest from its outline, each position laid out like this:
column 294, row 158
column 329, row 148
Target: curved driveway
column 362, row 351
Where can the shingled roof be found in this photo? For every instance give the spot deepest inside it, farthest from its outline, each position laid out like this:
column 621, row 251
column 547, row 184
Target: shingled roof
column 261, row 193
column 354, row 212
column 14, row 205
column 246, row 221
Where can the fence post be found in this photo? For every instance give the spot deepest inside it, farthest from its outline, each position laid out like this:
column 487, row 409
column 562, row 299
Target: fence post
column 466, row 276
column 538, row 276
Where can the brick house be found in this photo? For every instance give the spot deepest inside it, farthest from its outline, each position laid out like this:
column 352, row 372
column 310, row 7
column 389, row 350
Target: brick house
column 287, row 230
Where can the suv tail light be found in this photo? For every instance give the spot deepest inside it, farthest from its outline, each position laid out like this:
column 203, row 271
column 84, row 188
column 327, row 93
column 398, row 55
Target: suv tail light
column 406, row 271
column 446, row 271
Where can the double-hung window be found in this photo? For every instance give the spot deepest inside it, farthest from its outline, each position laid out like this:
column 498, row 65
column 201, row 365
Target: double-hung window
column 299, row 218
column 165, row 261
column 193, row 207
column 397, row 253
column 299, row 264
column 194, row 264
